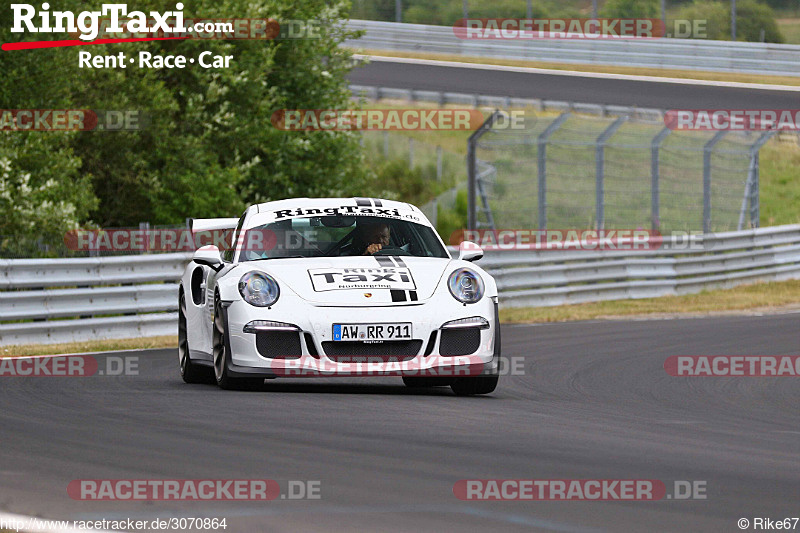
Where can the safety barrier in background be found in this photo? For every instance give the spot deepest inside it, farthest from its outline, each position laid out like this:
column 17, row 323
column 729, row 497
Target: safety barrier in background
column 65, row 300
column 691, row 54
column 601, row 166
column 68, row 300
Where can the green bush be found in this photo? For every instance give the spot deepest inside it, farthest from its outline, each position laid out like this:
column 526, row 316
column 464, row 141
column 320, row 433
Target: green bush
column 449, row 221
column 630, row 9
column 209, row 146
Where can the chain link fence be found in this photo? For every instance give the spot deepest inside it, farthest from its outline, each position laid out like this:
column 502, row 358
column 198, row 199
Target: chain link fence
column 582, row 171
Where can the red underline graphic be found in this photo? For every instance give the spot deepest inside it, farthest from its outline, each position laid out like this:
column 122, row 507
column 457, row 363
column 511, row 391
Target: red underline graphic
column 57, row 44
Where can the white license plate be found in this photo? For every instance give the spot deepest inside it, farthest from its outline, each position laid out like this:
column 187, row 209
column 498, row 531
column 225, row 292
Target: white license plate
column 372, row 332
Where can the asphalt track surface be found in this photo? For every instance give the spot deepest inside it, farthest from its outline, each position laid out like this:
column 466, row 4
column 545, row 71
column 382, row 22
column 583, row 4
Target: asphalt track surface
column 594, row 403
column 578, row 89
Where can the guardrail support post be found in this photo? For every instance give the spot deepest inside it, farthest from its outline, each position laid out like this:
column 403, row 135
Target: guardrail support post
column 541, row 167
column 708, row 149
column 599, row 159
column 472, row 169
column 655, row 184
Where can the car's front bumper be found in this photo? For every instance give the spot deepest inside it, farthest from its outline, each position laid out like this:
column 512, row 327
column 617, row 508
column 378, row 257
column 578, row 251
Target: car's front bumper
column 315, row 331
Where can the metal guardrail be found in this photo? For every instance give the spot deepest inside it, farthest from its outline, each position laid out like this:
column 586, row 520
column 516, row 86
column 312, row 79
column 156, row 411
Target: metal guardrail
column 69, row 300
column 371, row 92
column 65, row 300
column 556, row 277
column 691, row 54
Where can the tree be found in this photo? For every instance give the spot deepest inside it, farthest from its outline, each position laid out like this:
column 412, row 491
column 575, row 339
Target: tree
column 751, row 18
column 208, row 147
column 630, row 9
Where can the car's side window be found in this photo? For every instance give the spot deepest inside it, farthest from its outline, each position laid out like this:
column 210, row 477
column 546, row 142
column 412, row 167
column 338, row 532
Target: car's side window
column 228, row 254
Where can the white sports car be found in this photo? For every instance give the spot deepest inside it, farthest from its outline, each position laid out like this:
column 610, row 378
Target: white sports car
column 337, row 287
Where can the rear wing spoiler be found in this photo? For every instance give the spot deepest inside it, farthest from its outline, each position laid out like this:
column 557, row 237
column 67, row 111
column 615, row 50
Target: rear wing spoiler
column 212, row 224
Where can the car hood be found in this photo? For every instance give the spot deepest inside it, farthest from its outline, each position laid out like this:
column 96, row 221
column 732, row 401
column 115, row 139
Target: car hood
column 358, row 281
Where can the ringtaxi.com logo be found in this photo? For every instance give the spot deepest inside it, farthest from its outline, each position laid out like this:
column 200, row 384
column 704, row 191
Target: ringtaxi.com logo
column 215, row 29
column 576, row 489
column 27, row 19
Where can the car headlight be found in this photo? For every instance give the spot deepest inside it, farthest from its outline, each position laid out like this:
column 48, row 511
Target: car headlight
column 259, row 289
column 466, row 286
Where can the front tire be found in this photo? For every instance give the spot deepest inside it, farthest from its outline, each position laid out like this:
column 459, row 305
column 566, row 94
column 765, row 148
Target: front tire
column 190, row 372
column 222, row 354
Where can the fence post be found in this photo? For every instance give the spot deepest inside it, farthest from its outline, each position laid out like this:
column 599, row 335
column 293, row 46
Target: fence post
column 541, row 165
column 755, row 195
column 751, row 188
column 438, row 163
column 708, row 149
column 599, row 159
column 655, row 185
column 144, row 228
column 472, row 165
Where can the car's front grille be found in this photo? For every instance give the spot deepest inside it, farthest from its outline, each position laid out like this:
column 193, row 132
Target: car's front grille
column 279, row 344
column 460, row 341
column 360, row 352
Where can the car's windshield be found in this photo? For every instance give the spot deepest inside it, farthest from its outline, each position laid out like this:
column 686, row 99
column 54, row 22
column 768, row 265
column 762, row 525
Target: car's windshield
column 340, row 235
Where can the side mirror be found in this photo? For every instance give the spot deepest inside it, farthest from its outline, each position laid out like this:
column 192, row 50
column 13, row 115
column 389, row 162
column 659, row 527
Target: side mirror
column 208, row 256
column 469, row 251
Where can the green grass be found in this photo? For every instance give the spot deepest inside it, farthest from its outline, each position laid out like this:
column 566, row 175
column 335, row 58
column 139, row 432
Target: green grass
column 780, row 183
column 167, row 341
column 790, row 28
